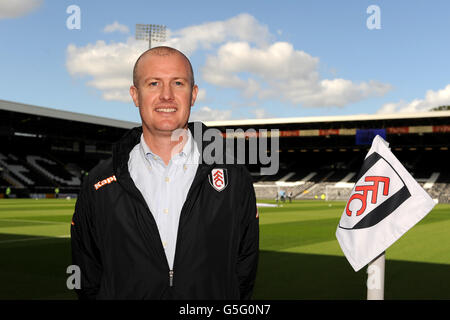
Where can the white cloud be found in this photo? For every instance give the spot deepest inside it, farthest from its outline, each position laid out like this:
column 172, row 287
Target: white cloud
column 207, row 114
column 110, row 66
column 17, row 8
column 241, row 57
column 432, row 99
column 243, row 27
column 201, row 95
column 260, row 113
column 339, row 92
column 116, row 27
column 281, row 72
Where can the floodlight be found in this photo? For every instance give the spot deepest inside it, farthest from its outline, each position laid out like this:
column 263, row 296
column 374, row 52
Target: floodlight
column 151, row 32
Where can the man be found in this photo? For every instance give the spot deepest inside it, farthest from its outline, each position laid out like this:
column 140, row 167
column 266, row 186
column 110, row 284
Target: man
column 154, row 222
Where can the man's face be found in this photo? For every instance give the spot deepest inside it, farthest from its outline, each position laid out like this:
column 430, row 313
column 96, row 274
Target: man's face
column 164, row 94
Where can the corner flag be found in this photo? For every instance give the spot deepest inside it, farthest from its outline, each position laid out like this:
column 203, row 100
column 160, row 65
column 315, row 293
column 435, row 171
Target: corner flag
column 385, row 202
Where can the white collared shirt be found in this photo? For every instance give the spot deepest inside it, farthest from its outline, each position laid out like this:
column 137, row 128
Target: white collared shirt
column 164, row 188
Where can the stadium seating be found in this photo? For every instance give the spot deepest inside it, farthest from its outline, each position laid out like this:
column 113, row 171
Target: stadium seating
column 18, row 173
column 52, row 171
column 334, row 175
column 32, row 174
column 30, row 169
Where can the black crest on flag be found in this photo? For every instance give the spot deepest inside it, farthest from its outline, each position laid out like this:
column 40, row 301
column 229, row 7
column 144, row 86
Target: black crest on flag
column 368, row 190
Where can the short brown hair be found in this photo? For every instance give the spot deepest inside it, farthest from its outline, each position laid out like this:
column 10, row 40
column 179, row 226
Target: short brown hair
column 161, row 51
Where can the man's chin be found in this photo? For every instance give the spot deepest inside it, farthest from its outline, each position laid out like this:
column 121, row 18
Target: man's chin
column 167, row 129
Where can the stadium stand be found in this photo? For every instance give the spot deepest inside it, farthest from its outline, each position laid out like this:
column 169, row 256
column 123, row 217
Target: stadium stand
column 44, row 148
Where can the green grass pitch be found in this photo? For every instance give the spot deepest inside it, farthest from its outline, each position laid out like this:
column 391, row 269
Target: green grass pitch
column 300, row 257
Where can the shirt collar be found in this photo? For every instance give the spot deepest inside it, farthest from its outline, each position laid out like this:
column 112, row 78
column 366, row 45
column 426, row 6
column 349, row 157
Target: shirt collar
column 188, row 148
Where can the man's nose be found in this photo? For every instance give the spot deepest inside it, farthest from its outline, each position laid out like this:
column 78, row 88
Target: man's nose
column 166, row 92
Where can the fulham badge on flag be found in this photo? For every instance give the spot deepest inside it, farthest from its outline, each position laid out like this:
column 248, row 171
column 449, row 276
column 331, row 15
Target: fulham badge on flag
column 218, row 179
column 385, row 202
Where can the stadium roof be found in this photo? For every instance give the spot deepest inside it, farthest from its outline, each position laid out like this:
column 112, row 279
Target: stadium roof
column 66, row 115
column 350, row 118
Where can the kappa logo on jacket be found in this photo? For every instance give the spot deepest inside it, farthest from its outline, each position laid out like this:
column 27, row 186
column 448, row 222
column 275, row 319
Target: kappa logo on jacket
column 100, row 184
column 218, row 179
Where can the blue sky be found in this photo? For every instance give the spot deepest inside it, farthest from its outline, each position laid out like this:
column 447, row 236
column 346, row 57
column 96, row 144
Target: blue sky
column 252, row 59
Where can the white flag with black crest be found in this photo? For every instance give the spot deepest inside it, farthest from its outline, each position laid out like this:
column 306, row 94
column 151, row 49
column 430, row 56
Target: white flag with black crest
column 385, row 202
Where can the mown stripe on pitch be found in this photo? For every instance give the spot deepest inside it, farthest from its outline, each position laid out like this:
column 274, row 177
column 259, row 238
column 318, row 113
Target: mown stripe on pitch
column 57, row 218
column 12, row 223
column 277, row 236
column 33, row 239
column 36, row 207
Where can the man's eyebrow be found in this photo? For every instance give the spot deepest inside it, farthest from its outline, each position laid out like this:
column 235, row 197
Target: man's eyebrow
column 159, row 78
column 151, row 78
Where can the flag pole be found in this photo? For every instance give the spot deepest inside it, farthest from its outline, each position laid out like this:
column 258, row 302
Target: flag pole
column 375, row 278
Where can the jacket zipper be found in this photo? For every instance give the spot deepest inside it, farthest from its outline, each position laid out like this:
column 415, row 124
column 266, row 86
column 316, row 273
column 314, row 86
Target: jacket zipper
column 183, row 209
column 170, row 278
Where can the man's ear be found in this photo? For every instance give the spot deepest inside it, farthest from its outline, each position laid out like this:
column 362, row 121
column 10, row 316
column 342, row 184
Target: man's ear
column 194, row 94
column 134, row 95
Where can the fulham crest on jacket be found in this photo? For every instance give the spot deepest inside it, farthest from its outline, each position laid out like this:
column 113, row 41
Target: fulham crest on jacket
column 218, row 179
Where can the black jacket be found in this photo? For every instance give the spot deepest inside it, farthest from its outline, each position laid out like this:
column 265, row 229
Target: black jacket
column 116, row 244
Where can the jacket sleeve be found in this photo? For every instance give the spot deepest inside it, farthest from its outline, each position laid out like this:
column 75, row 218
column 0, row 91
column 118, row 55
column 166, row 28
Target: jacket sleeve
column 85, row 252
column 249, row 239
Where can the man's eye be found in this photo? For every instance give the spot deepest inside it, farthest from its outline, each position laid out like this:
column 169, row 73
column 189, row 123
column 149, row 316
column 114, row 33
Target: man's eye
column 153, row 84
column 178, row 83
